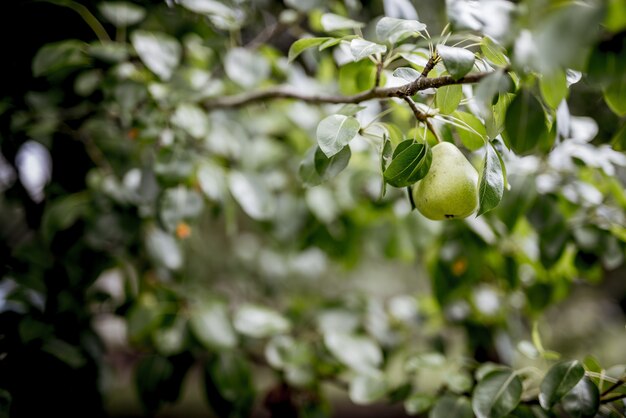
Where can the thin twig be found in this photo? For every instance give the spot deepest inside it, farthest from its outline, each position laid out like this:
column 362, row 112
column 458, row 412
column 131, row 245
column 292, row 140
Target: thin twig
column 87, row 16
column 613, row 398
column 286, row 92
column 422, row 117
column 615, row 385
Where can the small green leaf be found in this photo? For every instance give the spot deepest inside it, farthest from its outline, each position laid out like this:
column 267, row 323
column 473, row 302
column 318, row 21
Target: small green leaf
column 259, row 322
column 553, row 88
column 471, row 130
column 327, row 168
column 163, row 249
column 458, row 61
column 497, row 394
column 525, row 123
column 252, row 195
column 361, row 48
column 160, row 52
column 246, row 67
column 332, row 22
column 59, row 56
column 302, row 44
column 494, row 52
column 360, row 353
column 449, row 406
column 559, row 380
column 406, row 73
column 211, row 326
column 496, row 83
column 389, row 29
column 409, row 165
column 583, row 401
column 418, row 403
column 615, row 96
column 335, row 132
column 121, row 13
column 491, row 184
column 448, row 98
column 367, row 388
column 228, row 385
column 350, row 109
column 307, row 171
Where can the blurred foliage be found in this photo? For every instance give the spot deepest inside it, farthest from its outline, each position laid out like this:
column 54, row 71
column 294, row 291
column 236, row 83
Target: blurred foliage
column 141, row 212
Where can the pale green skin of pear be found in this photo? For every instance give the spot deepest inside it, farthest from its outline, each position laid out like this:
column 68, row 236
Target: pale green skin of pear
column 450, row 188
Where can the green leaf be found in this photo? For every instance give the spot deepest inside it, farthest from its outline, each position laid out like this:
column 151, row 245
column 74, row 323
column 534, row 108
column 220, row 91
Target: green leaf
column 458, row 61
column 210, row 324
column 560, row 379
column 5, row 403
column 615, row 20
column 491, row 183
column 367, row 388
column 160, row 52
column 151, row 374
column 332, row 22
column 252, row 195
column 360, row 353
column 222, row 16
column 335, row 132
column 59, row 56
column 525, row 123
column 361, row 48
column 583, row 401
column 447, row 98
column 497, row 394
column 356, row 77
column 389, row 29
column 408, row 165
column 471, row 130
column 63, row 212
column 407, row 73
column 418, row 403
column 302, row 44
column 228, row 385
column 246, row 68
column 191, row 119
column 259, row 322
column 327, row 168
column 615, row 96
column 553, row 88
column 496, row 83
column 494, row 52
column 307, row 170
column 350, row 109
column 163, row 249
column 449, row 406
column 121, row 13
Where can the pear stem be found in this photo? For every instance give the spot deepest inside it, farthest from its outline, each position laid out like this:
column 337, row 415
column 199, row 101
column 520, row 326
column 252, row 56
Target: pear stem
column 422, row 117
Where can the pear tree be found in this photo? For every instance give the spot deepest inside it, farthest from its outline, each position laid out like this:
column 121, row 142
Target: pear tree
column 287, row 207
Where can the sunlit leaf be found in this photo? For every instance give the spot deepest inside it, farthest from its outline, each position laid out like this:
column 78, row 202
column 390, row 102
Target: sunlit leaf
column 553, row 88
column 332, row 22
column 367, row 388
column 497, row 394
column 211, row 325
column 389, row 29
column 303, row 44
column 245, row 67
column 121, row 13
column 458, row 61
column 252, row 195
column 160, row 52
column 335, row 132
column 259, row 322
column 361, row 48
column 360, row 353
column 406, row 73
column 615, row 96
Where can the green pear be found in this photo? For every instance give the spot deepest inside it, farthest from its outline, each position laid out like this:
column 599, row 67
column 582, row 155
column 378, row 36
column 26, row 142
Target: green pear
column 450, row 188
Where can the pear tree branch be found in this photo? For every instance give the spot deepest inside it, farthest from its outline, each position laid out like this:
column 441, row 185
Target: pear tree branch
column 287, row 92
